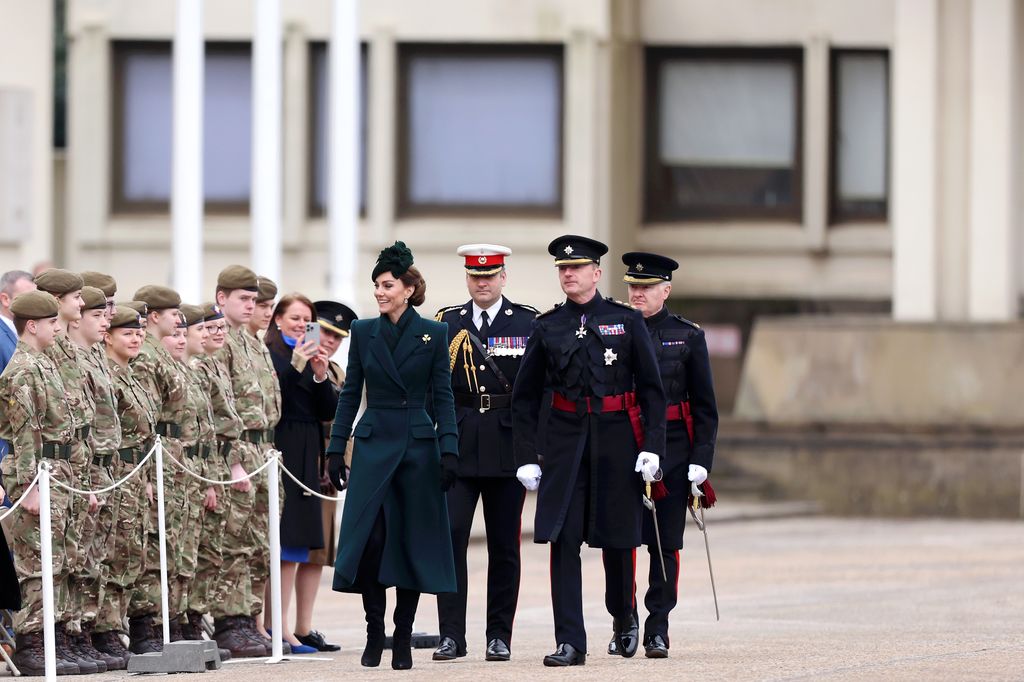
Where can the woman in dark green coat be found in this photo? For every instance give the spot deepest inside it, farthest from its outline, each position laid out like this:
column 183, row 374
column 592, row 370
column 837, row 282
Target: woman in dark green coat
column 394, row 529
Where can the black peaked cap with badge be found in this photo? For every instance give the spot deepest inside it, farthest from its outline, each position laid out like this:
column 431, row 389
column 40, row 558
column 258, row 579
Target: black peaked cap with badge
column 647, row 268
column 571, row 249
column 335, row 317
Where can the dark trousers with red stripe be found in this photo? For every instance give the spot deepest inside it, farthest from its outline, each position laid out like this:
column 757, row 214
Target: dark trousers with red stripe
column 566, row 571
column 503, row 512
column 661, row 595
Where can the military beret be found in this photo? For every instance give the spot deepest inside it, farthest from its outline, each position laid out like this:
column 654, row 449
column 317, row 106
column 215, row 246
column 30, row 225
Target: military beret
column 58, row 282
column 267, row 290
column 34, row 305
column 157, row 297
column 93, row 299
column 128, row 318
column 193, row 314
column 212, row 311
column 238, row 277
column 138, row 306
column 101, row 281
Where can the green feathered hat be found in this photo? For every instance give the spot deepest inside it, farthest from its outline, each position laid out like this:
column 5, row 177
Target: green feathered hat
column 396, row 259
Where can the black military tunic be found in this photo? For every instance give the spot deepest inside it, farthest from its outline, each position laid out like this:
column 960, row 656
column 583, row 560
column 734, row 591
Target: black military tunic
column 686, row 375
column 598, row 360
column 487, row 467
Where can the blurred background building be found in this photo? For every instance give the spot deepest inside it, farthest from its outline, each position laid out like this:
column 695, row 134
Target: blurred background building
column 820, row 157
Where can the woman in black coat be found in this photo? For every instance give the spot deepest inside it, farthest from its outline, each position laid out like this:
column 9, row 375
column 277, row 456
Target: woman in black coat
column 307, row 400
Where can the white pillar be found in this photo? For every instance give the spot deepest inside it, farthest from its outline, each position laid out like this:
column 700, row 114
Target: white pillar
column 266, row 140
column 914, row 155
column 187, row 182
column 343, row 141
column 992, row 248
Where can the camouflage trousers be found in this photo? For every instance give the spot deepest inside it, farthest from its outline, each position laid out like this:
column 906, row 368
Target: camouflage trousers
column 239, row 549
column 206, row 588
column 126, row 547
column 96, row 530
column 182, row 575
column 146, row 595
column 22, row 531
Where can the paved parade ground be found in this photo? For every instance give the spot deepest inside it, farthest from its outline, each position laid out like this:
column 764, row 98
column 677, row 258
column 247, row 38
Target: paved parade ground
column 801, row 598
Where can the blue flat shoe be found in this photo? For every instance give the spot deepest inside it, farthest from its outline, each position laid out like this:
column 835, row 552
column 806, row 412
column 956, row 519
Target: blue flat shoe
column 296, row 648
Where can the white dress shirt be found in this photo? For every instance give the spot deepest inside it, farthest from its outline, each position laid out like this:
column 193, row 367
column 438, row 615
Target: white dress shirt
column 492, row 313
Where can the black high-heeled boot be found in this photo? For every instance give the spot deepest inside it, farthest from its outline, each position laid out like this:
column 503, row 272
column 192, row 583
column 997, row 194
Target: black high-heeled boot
column 401, row 642
column 374, row 604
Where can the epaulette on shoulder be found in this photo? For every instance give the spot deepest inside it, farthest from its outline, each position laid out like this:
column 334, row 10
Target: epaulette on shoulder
column 619, row 303
column 528, row 308
column 548, row 312
column 442, row 311
column 686, row 321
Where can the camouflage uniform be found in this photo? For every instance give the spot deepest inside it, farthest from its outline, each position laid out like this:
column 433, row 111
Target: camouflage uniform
column 209, row 595
column 126, row 558
column 162, row 377
column 36, row 419
column 70, row 361
column 242, row 358
column 199, row 440
column 104, row 441
column 271, row 389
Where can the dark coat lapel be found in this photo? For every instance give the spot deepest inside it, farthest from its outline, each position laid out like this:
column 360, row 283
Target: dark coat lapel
column 410, row 340
column 379, row 350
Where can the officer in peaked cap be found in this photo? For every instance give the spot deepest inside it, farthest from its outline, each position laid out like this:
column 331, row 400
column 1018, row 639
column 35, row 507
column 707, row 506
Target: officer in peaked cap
column 604, row 438
column 487, row 338
column 335, row 318
column 691, row 429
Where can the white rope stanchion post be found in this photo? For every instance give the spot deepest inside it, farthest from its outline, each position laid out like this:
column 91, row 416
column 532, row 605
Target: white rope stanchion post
column 273, row 480
column 162, row 527
column 46, row 557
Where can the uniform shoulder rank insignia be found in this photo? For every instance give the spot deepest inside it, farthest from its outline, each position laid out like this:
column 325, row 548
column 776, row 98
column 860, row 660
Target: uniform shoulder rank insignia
column 548, row 312
column 528, row 308
column 444, row 311
column 619, row 303
column 686, row 321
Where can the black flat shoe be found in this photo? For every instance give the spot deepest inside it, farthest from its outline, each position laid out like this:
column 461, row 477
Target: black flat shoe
column 447, row 650
column 656, row 647
column 316, row 640
column 497, row 650
column 565, row 655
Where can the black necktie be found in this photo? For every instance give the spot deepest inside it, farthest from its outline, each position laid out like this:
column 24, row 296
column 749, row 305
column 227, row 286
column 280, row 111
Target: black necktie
column 484, row 326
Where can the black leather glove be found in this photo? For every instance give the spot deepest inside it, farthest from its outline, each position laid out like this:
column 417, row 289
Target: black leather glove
column 336, row 471
column 449, row 471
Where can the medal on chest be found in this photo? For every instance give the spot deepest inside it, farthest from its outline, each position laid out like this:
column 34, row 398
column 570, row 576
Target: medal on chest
column 582, row 331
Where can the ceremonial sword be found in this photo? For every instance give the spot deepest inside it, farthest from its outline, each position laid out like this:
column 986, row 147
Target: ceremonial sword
column 649, row 503
column 707, row 549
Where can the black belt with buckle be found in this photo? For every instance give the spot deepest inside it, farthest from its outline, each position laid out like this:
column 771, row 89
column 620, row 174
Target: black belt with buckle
column 102, row 460
column 484, row 401
column 53, row 450
column 168, row 429
column 257, row 436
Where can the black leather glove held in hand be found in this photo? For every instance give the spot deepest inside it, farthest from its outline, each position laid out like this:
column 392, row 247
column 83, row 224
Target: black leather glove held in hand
column 336, row 471
column 449, row 471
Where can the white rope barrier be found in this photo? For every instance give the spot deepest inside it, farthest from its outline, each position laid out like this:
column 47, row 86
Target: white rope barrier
column 212, row 481
column 21, row 499
column 112, row 486
column 338, row 498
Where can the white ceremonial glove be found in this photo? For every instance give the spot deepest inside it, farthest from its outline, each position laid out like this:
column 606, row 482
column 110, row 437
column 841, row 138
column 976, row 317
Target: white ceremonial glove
column 529, row 476
column 648, row 464
column 697, row 475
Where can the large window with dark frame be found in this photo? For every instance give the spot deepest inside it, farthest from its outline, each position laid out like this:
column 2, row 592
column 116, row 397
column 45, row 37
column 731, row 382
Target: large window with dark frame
column 859, row 169
column 480, row 129
column 723, row 131
column 319, row 105
column 142, row 126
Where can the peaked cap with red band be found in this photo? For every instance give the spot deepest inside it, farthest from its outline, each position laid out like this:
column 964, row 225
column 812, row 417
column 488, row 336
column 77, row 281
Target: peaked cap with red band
column 483, row 260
